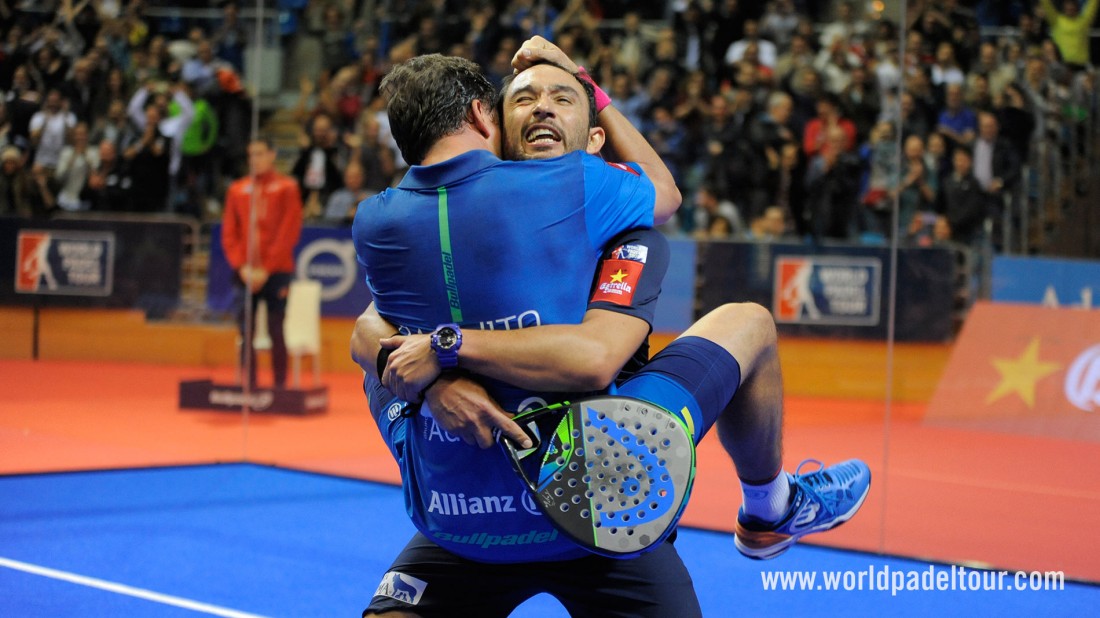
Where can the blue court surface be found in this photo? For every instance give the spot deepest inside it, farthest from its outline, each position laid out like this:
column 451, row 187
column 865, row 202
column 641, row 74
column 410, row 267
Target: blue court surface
column 249, row 540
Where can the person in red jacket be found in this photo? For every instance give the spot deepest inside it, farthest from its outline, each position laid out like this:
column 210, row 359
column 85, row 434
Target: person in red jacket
column 829, row 114
column 264, row 263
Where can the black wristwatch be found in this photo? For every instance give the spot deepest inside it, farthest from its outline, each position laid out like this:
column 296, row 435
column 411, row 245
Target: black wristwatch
column 446, row 340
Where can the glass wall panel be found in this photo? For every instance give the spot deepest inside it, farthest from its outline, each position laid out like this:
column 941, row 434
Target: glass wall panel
column 905, row 187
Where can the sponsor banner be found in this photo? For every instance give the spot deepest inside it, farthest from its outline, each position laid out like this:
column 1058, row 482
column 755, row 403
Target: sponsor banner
column 323, row 254
column 64, row 262
column 827, row 290
column 1046, row 281
column 833, row 290
column 92, row 263
column 1024, row 369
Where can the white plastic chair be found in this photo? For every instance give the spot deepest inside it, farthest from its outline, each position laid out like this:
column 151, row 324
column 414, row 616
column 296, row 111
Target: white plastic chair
column 302, row 327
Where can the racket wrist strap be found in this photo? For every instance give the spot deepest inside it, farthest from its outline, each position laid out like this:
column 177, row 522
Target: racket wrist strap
column 383, row 358
column 602, row 98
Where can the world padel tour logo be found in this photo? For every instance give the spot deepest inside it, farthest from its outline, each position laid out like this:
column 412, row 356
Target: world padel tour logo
column 64, row 262
column 827, row 290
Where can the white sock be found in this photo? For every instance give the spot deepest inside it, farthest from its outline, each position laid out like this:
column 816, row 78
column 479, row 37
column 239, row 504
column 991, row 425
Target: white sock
column 767, row 502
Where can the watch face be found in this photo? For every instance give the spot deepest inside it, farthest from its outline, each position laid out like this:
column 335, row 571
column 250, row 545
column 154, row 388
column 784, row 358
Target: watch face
column 447, row 338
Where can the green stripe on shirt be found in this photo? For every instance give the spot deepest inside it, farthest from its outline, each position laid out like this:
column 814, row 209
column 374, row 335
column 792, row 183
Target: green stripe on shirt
column 448, row 259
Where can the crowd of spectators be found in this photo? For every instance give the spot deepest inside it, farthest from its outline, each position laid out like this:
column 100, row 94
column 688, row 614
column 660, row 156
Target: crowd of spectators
column 101, row 111
column 779, row 119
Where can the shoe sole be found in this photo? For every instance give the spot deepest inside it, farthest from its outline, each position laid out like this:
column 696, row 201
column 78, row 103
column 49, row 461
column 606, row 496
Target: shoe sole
column 774, row 550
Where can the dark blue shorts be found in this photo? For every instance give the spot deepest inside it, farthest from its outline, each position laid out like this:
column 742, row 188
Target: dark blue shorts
column 430, row 581
column 691, row 377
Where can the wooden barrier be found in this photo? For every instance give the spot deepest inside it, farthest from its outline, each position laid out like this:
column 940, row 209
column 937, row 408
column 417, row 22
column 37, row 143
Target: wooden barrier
column 16, row 332
column 847, row 369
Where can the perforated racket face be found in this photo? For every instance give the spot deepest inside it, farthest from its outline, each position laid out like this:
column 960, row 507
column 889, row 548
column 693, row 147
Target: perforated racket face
column 616, row 474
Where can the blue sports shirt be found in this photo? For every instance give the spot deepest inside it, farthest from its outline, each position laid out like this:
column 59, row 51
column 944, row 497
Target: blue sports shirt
column 487, row 244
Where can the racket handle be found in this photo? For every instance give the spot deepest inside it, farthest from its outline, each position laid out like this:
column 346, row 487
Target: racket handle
column 526, row 420
column 510, row 444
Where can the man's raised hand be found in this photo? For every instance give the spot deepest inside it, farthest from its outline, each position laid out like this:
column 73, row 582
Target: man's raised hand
column 536, row 50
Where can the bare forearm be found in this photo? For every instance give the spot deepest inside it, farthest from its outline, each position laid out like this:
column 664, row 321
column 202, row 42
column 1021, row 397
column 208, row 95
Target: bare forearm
column 530, row 360
column 580, row 357
column 369, row 328
column 626, row 143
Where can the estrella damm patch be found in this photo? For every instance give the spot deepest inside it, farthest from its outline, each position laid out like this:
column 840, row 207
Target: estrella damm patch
column 617, row 282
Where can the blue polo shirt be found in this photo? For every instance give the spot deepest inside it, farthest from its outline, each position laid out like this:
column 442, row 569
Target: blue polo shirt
column 961, row 122
column 487, row 244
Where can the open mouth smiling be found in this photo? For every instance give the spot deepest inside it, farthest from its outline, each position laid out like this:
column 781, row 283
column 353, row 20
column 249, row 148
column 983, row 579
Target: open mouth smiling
column 542, row 135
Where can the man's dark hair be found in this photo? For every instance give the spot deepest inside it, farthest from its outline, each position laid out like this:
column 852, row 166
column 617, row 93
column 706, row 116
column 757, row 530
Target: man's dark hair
column 832, row 99
column 429, row 97
column 266, row 139
column 589, row 93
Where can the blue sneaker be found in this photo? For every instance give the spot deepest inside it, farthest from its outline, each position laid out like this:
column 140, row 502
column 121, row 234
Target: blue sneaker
column 820, row 501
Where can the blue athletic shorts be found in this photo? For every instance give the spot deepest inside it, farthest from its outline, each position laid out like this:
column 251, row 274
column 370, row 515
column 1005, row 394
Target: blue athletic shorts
column 692, row 377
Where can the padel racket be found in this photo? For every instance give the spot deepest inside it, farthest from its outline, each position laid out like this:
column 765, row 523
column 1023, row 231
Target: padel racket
column 611, row 473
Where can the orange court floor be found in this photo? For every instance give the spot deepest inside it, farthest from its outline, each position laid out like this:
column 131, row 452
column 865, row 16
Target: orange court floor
column 999, row 500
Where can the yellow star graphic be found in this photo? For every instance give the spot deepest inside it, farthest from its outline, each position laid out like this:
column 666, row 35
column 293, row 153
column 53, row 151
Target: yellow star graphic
column 1020, row 375
column 618, row 277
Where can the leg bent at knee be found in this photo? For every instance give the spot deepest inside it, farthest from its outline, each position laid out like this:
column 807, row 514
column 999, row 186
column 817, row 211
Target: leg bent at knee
column 745, row 330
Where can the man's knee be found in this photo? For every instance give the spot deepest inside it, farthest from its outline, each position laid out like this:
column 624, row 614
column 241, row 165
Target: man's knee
column 746, row 317
column 745, row 330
